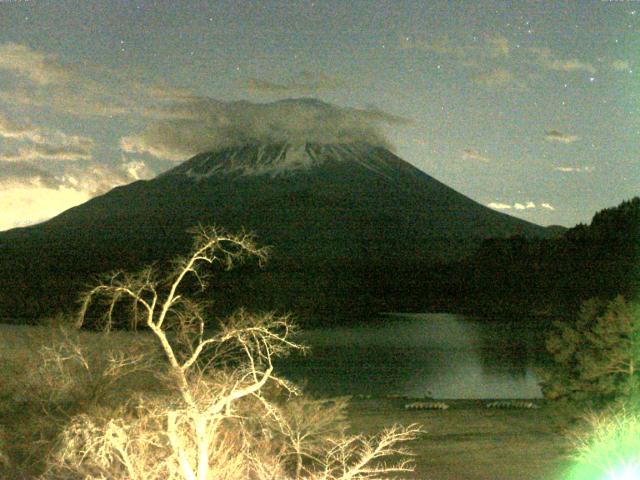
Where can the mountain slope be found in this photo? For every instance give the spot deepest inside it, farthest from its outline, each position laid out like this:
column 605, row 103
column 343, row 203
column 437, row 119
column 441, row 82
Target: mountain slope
column 324, row 208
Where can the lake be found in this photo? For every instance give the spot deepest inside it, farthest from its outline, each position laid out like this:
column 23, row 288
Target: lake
column 443, row 356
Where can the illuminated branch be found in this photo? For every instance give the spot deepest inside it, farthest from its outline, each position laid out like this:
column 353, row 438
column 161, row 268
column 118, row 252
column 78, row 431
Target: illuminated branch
column 194, row 429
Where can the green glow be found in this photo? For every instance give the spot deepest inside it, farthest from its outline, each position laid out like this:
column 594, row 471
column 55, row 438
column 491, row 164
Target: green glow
column 611, row 451
column 627, row 472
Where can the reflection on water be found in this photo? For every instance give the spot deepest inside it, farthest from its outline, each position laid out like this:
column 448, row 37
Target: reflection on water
column 438, row 355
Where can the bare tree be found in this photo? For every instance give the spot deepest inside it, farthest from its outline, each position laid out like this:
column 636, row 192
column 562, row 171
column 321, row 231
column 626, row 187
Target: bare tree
column 220, row 423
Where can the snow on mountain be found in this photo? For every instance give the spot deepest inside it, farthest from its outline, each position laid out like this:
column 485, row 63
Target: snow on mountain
column 280, row 159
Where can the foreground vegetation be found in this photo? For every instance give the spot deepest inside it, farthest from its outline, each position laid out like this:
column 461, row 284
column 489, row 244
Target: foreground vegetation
column 190, row 408
column 467, row 441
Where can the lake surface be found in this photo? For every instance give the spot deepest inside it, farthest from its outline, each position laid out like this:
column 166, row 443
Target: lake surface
column 438, row 355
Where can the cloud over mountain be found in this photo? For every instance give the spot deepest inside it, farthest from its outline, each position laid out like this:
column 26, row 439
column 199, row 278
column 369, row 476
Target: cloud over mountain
column 499, row 206
column 199, row 124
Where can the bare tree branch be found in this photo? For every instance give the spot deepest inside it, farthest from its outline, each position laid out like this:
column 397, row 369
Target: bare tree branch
column 212, row 429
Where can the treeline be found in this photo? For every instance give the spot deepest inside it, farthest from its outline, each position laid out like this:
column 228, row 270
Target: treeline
column 551, row 277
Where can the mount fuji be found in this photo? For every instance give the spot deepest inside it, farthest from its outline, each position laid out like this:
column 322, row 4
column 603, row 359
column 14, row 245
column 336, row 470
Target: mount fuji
column 339, row 217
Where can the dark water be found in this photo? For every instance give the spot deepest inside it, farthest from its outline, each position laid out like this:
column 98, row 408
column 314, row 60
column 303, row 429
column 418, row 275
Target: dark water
column 437, row 355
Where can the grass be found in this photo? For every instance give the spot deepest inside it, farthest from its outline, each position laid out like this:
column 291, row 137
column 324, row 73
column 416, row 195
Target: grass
column 470, row 442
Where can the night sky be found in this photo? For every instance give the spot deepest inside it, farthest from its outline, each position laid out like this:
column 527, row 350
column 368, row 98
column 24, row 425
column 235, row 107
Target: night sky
column 530, row 108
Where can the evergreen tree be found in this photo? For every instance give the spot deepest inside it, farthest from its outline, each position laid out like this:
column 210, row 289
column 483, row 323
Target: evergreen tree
column 596, row 357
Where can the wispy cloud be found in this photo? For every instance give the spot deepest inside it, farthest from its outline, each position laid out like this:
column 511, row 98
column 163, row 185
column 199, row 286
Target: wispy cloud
column 16, row 131
column 39, row 172
column 557, row 136
column 488, row 46
column 471, row 154
column 489, row 57
column 306, row 83
column 620, row 65
column 27, row 174
column 498, row 77
column 524, row 206
column 548, row 59
column 47, row 81
column 137, row 170
column 91, row 178
column 528, row 205
column 75, row 101
column 39, row 143
column 164, row 92
column 498, row 46
column 440, row 45
column 574, row 169
column 95, row 178
column 497, row 61
column 47, row 152
column 499, row 206
column 38, row 67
